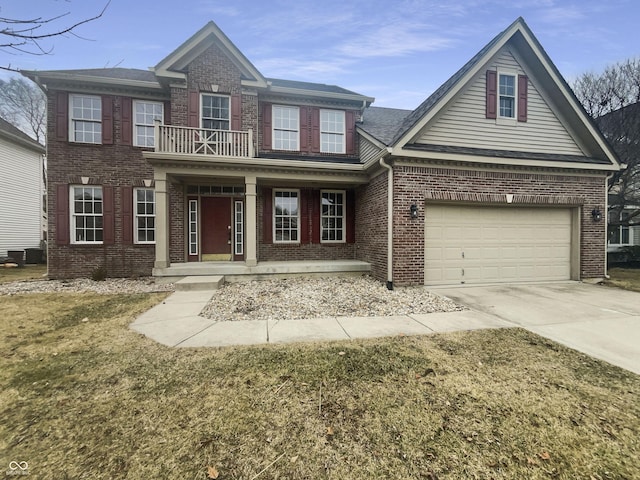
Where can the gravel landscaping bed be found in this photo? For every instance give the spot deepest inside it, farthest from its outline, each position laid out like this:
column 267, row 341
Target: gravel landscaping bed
column 299, row 298
column 108, row 286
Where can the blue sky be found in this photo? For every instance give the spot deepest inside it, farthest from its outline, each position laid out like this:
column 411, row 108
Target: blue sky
column 398, row 51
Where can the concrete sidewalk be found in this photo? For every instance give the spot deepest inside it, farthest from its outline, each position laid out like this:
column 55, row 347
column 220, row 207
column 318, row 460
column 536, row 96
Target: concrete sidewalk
column 175, row 322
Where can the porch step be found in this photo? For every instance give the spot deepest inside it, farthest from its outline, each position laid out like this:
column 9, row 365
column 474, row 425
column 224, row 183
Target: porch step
column 205, row 282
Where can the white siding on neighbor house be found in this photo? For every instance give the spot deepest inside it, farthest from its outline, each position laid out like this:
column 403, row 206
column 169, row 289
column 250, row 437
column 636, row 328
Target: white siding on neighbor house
column 20, row 197
column 464, row 122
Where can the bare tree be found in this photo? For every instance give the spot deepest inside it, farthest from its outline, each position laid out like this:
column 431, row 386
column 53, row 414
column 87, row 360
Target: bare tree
column 24, row 105
column 612, row 98
column 28, row 35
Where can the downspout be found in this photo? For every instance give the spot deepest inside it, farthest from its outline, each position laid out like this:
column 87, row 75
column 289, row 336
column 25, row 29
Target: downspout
column 389, row 222
column 606, row 230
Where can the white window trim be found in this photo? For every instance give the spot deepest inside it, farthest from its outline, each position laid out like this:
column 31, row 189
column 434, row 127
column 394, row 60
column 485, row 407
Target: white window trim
column 273, row 213
column 344, row 130
column 273, row 128
column 71, row 118
column 135, row 124
column 344, row 216
column 136, row 215
column 514, row 74
column 193, row 228
column 72, row 216
column 238, row 210
column 207, row 94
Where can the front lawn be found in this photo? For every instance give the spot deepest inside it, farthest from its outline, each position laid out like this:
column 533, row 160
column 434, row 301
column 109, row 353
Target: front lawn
column 85, row 397
column 627, row 278
column 17, row 274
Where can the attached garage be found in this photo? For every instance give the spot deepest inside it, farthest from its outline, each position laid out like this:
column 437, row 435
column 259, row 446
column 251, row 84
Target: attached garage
column 499, row 244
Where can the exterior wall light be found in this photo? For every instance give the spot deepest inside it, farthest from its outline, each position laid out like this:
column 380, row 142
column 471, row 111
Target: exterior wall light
column 596, row 215
column 413, row 209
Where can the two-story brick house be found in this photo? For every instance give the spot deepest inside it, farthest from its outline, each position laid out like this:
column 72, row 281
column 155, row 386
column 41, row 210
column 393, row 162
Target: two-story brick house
column 204, row 162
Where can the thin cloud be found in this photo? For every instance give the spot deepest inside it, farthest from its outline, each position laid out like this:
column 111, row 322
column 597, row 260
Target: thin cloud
column 393, row 42
column 301, row 69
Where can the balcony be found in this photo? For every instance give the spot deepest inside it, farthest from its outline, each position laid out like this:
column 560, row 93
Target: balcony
column 201, row 141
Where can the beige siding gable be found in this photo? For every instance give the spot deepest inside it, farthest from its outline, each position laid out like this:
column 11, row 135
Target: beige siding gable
column 368, row 150
column 463, row 124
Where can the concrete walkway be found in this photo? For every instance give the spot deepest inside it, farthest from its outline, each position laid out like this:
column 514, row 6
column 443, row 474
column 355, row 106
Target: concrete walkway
column 175, row 322
column 599, row 321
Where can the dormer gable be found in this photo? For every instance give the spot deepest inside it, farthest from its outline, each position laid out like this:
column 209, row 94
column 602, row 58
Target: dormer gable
column 173, row 66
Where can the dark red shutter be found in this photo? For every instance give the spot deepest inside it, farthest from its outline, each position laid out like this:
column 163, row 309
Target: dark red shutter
column 107, row 120
column 126, row 125
column 167, row 113
column 351, row 216
column 266, row 126
column 350, row 120
column 304, row 129
column 108, row 215
column 267, row 216
column 62, row 214
column 236, row 112
column 304, row 215
column 492, row 94
column 315, row 216
column 193, row 118
column 126, row 199
column 523, row 87
column 315, row 130
column 62, row 116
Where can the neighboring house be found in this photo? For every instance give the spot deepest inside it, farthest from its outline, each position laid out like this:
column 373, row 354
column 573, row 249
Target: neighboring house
column 203, row 164
column 21, row 190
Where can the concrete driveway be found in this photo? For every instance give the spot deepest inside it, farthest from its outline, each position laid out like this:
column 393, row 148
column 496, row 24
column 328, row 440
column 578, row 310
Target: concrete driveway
column 600, row 321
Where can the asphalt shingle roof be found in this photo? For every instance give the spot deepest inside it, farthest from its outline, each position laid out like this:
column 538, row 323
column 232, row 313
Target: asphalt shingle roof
column 382, row 123
column 10, row 129
column 319, row 87
column 119, row 73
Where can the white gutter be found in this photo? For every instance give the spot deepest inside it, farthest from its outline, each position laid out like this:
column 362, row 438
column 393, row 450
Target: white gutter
column 389, row 221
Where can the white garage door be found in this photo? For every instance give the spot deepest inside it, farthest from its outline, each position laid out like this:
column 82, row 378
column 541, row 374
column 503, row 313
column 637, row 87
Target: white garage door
column 466, row 244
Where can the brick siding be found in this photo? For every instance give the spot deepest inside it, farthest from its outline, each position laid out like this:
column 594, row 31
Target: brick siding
column 371, row 225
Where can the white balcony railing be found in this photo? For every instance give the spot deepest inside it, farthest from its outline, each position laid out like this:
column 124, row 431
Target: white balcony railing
column 201, row 141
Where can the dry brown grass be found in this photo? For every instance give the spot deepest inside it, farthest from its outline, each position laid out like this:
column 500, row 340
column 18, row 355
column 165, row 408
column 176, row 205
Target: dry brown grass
column 92, row 399
column 627, row 278
column 28, row 272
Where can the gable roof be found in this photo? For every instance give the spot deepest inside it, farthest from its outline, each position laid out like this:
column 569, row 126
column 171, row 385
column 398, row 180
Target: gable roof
column 382, row 123
column 13, row 134
column 523, row 39
column 173, row 65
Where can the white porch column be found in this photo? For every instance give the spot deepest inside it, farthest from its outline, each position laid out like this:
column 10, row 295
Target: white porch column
column 162, row 220
column 251, row 245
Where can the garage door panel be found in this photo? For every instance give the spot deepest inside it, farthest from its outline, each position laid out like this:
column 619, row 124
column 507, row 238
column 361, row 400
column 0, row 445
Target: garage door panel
column 500, row 244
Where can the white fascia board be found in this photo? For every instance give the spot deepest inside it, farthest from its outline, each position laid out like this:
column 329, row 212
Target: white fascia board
column 515, row 162
column 316, row 93
column 29, row 144
column 257, row 162
column 90, row 79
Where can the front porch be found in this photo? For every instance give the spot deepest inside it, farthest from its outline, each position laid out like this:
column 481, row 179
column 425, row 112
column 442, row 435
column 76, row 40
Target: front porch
column 239, row 271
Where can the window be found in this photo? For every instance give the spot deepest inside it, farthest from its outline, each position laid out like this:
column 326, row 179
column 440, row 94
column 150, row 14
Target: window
column 332, row 131
column 239, row 227
column 620, row 234
column 193, row 227
column 285, row 213
column 145, row 115
column 145, row 215
column 286, row 128
column 507, row 95
column 332, row 216
column 215, row 112
column 85, row 119
column 86, row 214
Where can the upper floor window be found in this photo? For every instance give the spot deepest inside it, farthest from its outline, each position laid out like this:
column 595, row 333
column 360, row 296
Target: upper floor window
column 286, row 128
column 215, row 112
column 86, row 214
column 145, row 115
column 85, row 121
column 145, row 216
column 507, row 95
column 332, row 131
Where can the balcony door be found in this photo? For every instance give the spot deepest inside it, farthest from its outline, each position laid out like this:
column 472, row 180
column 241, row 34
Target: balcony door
column 216, row 231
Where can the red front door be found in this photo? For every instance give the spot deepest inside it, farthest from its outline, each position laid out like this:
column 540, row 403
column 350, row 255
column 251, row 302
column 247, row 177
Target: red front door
column 216, row 229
